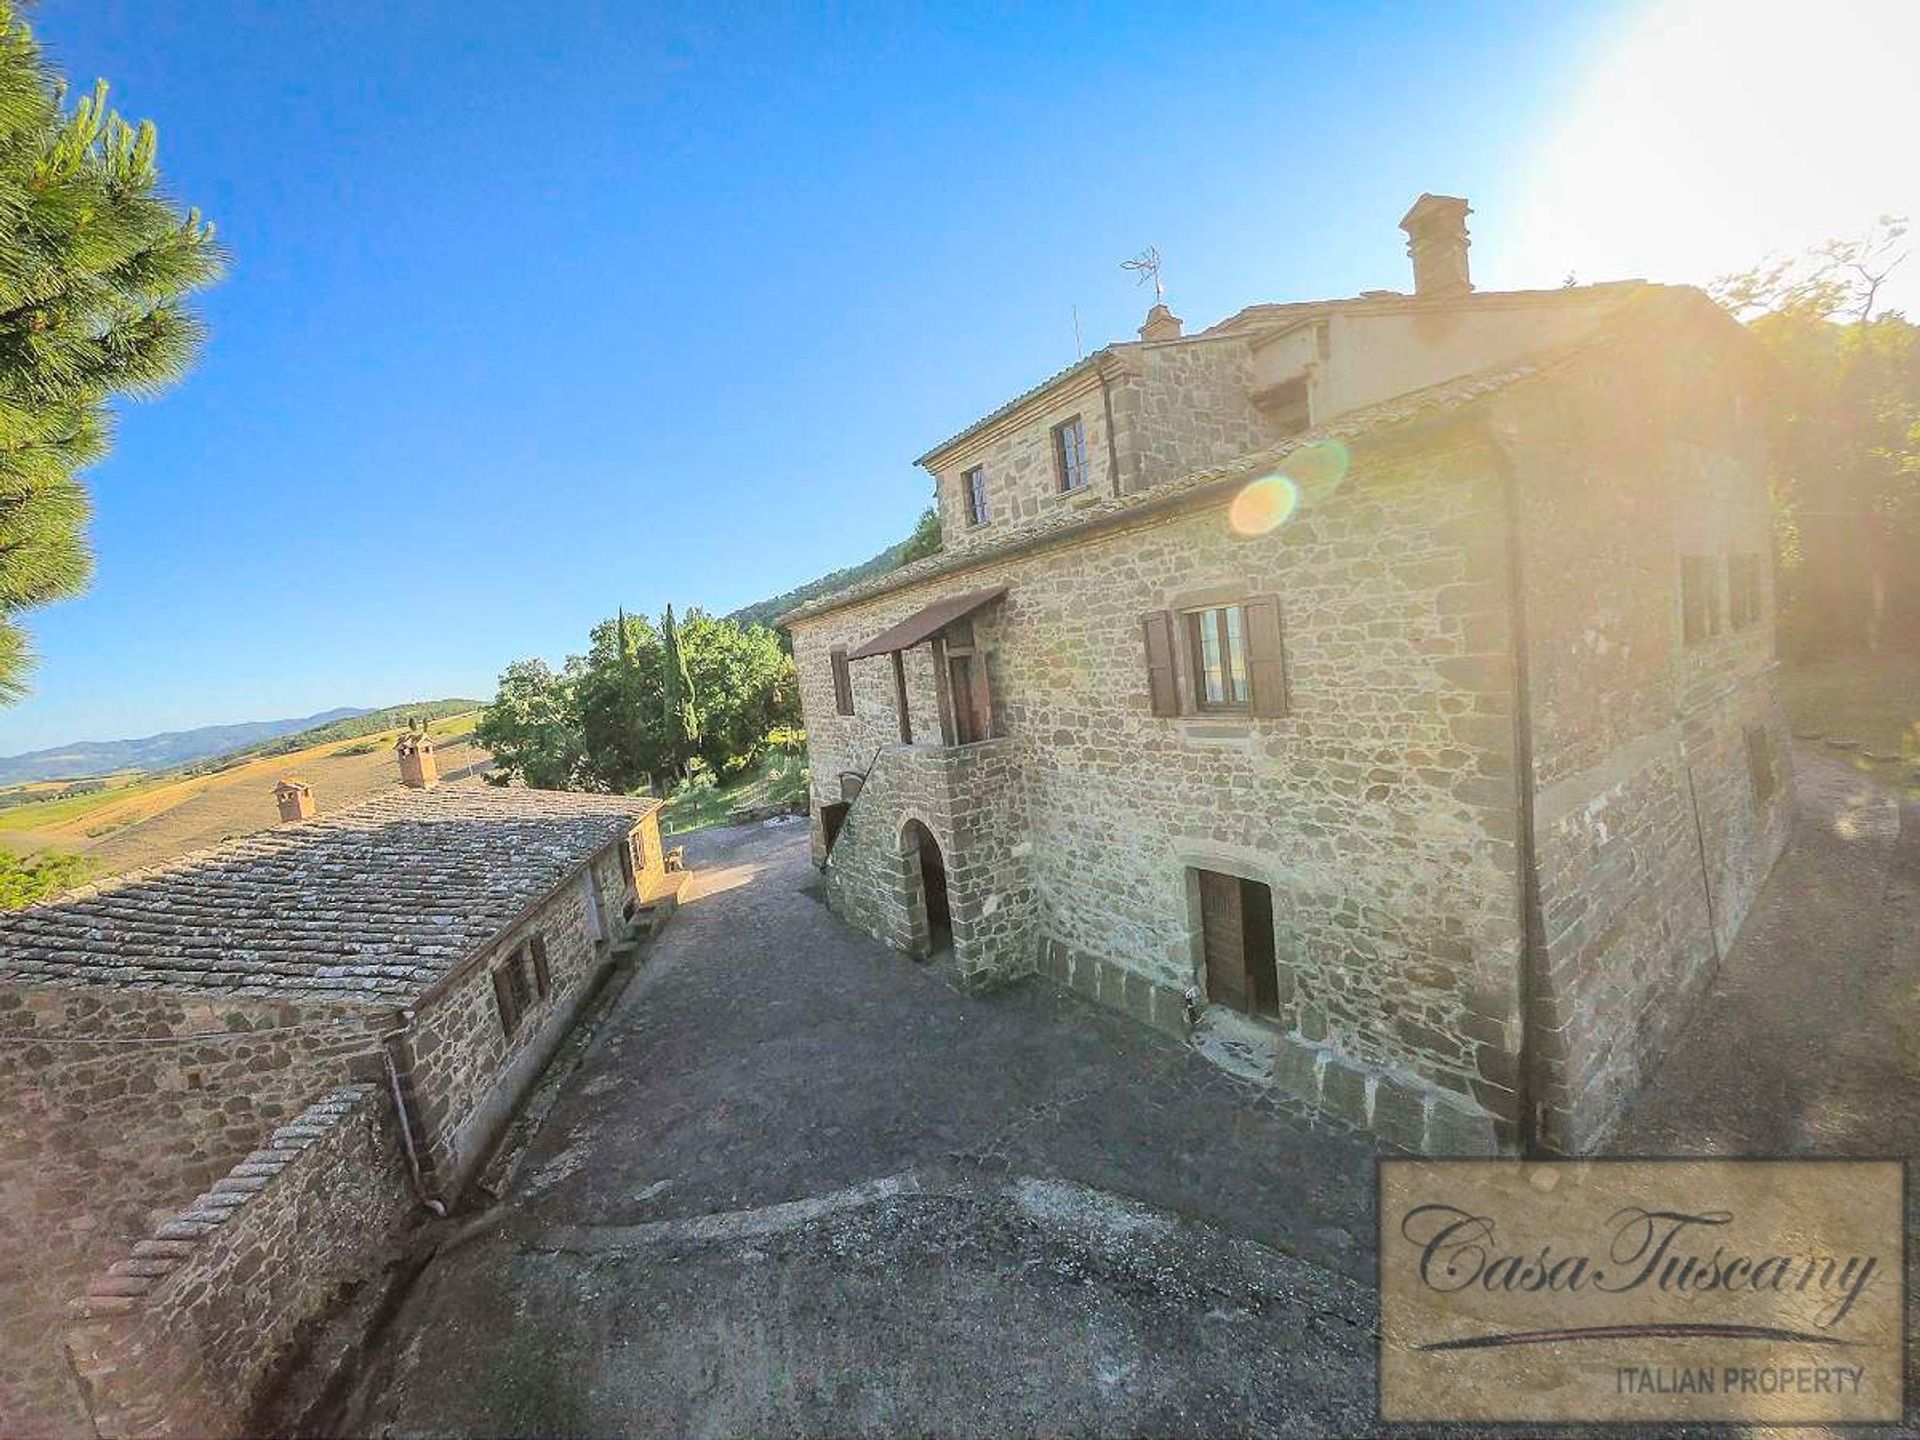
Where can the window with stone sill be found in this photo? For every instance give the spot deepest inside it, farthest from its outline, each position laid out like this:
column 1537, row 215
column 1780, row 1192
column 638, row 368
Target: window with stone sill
column 1070, row 454
column 973, row 489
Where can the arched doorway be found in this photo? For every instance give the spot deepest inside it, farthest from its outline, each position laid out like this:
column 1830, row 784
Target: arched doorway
column 922, row 855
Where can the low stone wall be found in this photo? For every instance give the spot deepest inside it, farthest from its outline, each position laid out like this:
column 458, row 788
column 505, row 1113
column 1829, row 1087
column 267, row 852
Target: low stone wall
column 116, row 1107
column 182, row 1336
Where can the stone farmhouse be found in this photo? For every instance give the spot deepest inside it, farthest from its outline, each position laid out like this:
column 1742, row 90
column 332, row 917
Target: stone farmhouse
column 231, row 1082
column 1378, row 692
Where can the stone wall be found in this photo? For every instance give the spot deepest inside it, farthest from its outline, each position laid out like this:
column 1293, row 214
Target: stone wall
column 1651, row 838
column 180, row 1335
column 971, row 801
column 1183, row 407
column 115, row 1107
column 463, row 1073
column 1381, row 810
column 1023, row 481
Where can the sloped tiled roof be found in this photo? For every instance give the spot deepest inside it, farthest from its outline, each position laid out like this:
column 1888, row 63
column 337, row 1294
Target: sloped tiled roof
column 1648, row 304
column 373, row 902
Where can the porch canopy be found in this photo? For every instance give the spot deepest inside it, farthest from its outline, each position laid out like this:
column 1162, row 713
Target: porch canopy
column 926, row 623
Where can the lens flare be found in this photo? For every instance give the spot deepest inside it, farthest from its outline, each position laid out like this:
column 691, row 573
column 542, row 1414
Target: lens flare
column 1263, row 505
column 1317, row 467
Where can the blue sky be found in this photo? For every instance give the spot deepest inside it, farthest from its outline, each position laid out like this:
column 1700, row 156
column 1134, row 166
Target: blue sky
column 536, row 311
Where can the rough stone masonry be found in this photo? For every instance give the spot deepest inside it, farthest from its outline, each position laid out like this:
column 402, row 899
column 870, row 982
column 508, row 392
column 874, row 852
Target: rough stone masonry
column 1526, row 769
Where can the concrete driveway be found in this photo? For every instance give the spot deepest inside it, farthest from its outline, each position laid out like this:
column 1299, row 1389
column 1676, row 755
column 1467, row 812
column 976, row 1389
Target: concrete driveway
column 797, row 1183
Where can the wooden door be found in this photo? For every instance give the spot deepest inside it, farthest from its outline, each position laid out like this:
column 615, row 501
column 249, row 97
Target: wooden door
column 1223, row 939
column 960, row 686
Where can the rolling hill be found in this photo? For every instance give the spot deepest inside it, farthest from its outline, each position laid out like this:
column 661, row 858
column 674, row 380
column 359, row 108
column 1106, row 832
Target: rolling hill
column 87, row 758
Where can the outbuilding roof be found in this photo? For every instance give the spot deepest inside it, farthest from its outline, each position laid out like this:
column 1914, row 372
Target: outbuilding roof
column 376, row 901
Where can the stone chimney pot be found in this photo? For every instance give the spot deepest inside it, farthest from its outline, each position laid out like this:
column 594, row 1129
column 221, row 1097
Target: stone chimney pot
column 1162, row 324
column 418, row 770
column 1437, row 242
column 295, row 799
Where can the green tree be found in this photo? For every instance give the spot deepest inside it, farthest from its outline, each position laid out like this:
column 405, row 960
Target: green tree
column 94, row 264
column 532, row 729
column 1844, row 455
column 745, row 688
column 682, row 715
column 926, row 538
column 623, row 722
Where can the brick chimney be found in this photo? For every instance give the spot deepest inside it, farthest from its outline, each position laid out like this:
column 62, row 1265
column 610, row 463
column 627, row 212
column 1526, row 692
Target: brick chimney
column 1437, row 241
column 295, row 799
column 1162, row 324
column 417, row 768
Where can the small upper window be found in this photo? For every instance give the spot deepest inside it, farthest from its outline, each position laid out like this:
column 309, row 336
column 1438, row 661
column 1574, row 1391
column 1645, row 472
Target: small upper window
column 1699, row 598
column 1218, row 643
column 974, row 484
column 1070, row 453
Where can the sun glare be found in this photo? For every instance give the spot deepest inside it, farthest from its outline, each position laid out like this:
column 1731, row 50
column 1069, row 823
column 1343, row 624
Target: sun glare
column 1716, row 132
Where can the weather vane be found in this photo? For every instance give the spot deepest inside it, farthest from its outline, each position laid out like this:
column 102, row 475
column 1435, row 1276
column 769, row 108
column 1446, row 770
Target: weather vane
column 1146, row 265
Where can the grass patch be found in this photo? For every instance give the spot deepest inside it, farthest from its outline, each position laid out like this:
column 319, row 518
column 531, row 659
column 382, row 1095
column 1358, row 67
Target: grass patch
column 780, row 778
column 1874, row 699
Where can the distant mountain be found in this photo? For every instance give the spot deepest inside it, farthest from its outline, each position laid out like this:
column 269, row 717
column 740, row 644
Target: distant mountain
column 155, row 752
column 765, row 612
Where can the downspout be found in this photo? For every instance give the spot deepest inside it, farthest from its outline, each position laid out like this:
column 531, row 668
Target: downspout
column 406, row 1119
column 1532, row 928
column 1113, row 444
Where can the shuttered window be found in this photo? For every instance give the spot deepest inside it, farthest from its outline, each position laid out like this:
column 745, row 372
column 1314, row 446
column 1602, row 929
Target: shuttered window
column 842, row 683
column 1266, row 655
column 1235, row 658
column 1163, row 689
column 974, row 483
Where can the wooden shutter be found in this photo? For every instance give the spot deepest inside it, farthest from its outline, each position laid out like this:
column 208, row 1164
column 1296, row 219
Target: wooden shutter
column 1163, row 688
column 1266, row 655
column 842, row 683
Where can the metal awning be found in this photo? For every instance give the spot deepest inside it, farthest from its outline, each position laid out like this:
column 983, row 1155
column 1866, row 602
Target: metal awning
column 923, row 625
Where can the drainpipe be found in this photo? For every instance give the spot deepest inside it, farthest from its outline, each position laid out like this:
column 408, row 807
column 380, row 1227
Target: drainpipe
column 1532, row 933
column 406, row 1119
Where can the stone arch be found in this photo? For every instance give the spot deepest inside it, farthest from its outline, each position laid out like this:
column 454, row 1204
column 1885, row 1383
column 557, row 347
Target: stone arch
column 923, row 869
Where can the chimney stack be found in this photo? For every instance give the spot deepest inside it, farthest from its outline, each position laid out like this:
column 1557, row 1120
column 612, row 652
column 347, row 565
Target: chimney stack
column 417, row 768
column 1162, row 324
column 1437, row 241
column 295, row 799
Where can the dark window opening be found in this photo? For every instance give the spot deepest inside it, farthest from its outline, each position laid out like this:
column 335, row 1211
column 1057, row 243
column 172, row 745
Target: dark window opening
column 626, row 863
column 1070, row 453
column 508, row 986
column 832, row 817
column 1237, row 941
column 1285, row 408
column 974, row 484
column 542, row 974
column 1699, row 599
column 1760, row 762
column 1746, row 592
column 1217, row 643
column 842, row 682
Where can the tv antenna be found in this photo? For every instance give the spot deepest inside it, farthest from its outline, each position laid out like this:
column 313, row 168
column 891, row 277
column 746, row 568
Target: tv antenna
column 1146, row 266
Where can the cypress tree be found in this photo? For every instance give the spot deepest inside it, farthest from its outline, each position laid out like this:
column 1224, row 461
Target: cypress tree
column 94, row 262
column 683, row 725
